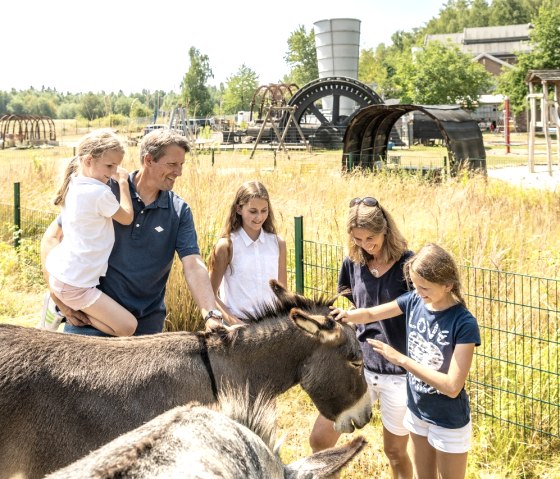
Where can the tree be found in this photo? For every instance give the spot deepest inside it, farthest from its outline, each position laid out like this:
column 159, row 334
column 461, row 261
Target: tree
column 240, row 90
column 301, row 57
column 404, row 41
column 68, row 110
column 45, row 107
column 479, row 14
column 4, row 100
column 545, row 38
column 92, row 106
column 194, row 92
column 509, row 12
column 122, row 105
column 441, row 74
column 16, row 106
column 376, row 70
column 453, row 18
column 545, row 54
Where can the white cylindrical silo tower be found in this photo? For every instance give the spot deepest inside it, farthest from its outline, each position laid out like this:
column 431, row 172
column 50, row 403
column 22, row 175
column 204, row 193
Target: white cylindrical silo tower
column 338, row 47
column 337, row 41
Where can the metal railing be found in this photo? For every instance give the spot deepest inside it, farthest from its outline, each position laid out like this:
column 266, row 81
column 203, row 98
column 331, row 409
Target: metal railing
column 515, row 376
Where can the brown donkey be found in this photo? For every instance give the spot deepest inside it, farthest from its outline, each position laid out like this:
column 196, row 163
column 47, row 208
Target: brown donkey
column 61, row 396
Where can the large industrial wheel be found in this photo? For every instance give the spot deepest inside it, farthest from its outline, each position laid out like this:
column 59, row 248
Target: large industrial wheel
column 324, row 108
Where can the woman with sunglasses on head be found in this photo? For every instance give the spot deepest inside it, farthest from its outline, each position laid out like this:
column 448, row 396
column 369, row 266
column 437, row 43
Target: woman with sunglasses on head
column 370, row 275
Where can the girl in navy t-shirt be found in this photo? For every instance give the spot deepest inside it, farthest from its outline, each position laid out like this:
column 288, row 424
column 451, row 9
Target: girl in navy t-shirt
column 441, row 337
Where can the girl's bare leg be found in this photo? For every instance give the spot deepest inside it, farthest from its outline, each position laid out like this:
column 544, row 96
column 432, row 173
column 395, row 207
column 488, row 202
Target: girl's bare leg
column 451, row 466
column 395, row 450
column 423, row 457
column 323, row 434
column 110, row 317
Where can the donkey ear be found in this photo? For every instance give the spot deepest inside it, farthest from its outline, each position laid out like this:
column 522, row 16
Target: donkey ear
column 277, row 288
column 326, row 463
column 324, row 327
column 282, row 293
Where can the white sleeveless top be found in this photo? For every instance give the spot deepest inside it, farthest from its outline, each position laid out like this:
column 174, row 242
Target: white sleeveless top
column 253, row 263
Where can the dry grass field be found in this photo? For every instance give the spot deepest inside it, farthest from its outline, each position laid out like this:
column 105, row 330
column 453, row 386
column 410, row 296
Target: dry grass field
column 482, row 221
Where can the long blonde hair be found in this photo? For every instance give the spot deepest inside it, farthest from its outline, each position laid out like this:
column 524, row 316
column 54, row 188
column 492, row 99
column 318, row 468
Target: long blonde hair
column 246, row 192
column 94, row 144
column 435, row 265
column 379, row 221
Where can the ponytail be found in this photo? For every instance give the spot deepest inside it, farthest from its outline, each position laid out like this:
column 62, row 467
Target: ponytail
column 456, row 291
column 70, row 171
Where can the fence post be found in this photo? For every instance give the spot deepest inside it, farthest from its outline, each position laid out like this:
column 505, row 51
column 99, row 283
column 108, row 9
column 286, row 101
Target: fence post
column 298, row 223
column 17, row 215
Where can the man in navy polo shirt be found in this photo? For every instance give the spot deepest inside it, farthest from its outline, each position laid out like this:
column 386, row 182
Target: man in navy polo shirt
column 143, row 252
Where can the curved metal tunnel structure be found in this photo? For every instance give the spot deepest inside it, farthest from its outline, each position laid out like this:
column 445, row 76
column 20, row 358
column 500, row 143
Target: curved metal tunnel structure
column 367, row 135
column 16, row 130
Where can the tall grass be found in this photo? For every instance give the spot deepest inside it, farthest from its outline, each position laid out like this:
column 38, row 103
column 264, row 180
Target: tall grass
column 483, row 222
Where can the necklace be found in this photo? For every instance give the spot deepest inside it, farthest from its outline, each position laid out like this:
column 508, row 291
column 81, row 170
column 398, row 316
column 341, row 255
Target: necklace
column 372, row 269
column 374, row 272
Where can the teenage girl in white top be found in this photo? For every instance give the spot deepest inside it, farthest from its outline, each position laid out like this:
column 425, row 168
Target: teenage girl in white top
column 248, row 254
column 88, row 209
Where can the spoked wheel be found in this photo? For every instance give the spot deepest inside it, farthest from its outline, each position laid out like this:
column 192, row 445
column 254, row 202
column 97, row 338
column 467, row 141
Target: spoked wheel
column 324, row 108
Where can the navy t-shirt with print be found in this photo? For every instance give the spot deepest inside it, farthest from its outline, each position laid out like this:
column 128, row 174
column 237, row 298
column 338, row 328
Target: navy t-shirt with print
column 365, row 291
column 431, row 340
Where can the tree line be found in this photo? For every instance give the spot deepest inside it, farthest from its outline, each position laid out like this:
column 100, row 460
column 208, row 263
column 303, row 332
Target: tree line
column 407, row 70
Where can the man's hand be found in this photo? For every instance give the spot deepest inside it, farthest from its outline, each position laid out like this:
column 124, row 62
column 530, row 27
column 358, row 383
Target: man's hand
column 212, row 324
column 75, row 318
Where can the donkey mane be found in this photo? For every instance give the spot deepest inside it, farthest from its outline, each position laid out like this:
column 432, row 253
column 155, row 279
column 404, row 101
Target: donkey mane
column 275, row 310
column 255, row 413
column 283, row 304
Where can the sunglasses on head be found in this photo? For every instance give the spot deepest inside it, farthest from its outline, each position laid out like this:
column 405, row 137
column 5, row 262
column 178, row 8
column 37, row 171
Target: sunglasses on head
column 368, row 201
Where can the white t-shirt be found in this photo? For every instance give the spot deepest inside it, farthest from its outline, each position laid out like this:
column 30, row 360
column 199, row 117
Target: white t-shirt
column 81, row 258
column 253, row 264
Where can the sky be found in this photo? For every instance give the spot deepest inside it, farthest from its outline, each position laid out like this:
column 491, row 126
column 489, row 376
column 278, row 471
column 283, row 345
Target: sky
column 110, row 45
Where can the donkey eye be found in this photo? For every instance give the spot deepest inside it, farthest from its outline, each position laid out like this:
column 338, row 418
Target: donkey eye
column 357, row 364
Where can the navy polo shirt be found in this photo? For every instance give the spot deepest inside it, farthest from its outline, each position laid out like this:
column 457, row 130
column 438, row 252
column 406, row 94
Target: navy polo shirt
column 143, row 254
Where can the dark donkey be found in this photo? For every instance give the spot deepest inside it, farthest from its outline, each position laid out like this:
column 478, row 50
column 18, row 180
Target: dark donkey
column 62, row 396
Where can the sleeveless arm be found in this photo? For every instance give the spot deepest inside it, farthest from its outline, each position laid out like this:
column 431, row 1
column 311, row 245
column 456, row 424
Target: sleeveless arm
column 282, row 268
column 221, row 262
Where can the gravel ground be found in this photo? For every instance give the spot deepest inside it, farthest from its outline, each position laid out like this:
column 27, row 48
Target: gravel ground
column 521, row 176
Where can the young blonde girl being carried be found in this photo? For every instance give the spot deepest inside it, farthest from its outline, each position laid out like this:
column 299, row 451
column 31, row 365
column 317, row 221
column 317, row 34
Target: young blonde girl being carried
column 441, row 337
column 248, row 255
column 88, row 210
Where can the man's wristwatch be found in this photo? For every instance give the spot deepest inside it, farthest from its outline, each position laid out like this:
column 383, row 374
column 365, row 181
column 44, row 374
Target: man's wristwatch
column 216, row 314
